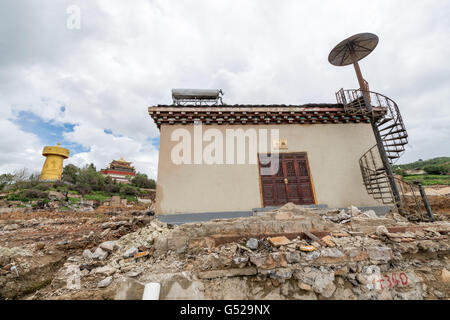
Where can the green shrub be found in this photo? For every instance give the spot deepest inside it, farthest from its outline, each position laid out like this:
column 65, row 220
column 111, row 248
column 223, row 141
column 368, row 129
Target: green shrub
column 43, row 186
column 142, row 181
column 34, row 194
column 74, row 200
column 112, row 188
column 131, row 199
column 429, row 179
column 128, row 190
column 17, row 197
column 433, row 169
column 96, row 196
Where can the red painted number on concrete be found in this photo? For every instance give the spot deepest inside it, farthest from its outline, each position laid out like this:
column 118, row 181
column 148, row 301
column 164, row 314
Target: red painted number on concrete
column 389, row 280
column 393, row 281
column 404, row 278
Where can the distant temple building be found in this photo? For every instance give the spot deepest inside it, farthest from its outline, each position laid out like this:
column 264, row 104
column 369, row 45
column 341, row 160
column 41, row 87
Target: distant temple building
column 120, row 171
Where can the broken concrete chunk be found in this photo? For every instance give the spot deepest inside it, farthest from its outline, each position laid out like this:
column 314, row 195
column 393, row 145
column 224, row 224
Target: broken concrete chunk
column 293, row 257
column 445, row 275
column 324, row 284
column 304, row 286
column 227, row 273
column 11, row 227
column 73, row 281
column 240, row 261
column 279, row 241
column 100, row 254
column 87, row 254
column 129, row 289
column 382, row 231
column 331, row 253
column 282, row 274
column 105, row 282
column 258, row 260
column 379, row 254
column 307, row 248
column 340, row 234
column 284, row 215
column 370, row 214
column 106, row 270
column 252, row 243
column 329, row 241
column 130, row 252
column 109, row 246
column 354, row 211
column 141, row 254
column 133, row 274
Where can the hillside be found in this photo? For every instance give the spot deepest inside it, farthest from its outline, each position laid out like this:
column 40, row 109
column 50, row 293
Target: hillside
column 421, row 164
column 434, row 171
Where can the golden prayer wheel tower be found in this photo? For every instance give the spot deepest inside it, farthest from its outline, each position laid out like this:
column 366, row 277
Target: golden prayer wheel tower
column 53, row 166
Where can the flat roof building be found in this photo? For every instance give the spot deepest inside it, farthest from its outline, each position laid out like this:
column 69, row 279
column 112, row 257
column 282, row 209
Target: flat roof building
column 226, row 158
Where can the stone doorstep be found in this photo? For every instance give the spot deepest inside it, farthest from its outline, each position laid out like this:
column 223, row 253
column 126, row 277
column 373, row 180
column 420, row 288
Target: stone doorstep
column 439, row 228
column 221, row 239
column 227, row 273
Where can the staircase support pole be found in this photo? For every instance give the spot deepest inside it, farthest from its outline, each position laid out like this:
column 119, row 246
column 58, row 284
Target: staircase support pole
column 425, row 202
column 381, row 150
column 386, row 164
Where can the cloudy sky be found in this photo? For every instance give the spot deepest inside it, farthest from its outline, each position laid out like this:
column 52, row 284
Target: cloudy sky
column 90, row 87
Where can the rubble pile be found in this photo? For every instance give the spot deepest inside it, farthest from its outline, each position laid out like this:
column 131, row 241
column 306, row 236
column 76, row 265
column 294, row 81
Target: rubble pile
column 35, row 245
column 290, row 253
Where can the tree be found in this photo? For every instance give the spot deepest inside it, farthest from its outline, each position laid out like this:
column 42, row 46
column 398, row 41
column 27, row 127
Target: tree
column 436, row 169
column 128, row 190
column 141, row 180
column 21, row 175
column 5, row 180
column 89, row 178
column 70, row 173
column 400, row 171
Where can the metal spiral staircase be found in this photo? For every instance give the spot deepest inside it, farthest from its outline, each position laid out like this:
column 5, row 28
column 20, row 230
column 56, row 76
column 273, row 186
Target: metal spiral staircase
column 385, row 114
column 388, row 127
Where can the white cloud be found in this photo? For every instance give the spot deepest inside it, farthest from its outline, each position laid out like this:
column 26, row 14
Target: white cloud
column 128, row 56
column 18, row 149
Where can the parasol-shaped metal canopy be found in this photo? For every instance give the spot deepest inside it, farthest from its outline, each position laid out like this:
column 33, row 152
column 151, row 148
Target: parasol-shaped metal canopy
column 353, row 49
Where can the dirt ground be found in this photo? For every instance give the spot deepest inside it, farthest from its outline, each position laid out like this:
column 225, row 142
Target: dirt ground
column 38, row 243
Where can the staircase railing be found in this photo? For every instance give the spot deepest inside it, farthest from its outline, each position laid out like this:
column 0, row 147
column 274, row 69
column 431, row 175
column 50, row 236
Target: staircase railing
column 394, row 136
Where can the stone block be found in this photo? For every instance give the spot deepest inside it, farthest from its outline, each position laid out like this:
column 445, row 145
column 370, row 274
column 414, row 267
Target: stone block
column 130, row 290
column 115, row 201
column 331, row 256
column 445, row 275
column 279, row 241
column 379, row 254
column 250, row 271
column 178, row 244
column 109, row 246
column 293, row 257
column 355, row 254
column 100, row 254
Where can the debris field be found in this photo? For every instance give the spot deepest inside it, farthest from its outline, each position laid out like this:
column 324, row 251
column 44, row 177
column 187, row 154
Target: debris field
column 290, row 253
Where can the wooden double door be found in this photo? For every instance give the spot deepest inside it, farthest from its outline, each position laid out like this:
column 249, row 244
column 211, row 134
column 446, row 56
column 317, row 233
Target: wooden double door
column 291, row 183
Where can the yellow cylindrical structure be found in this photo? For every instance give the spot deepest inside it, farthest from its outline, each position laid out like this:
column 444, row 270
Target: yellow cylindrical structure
column 53, row 166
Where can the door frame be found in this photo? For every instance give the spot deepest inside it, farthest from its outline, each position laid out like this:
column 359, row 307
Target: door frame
column 313, row 188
